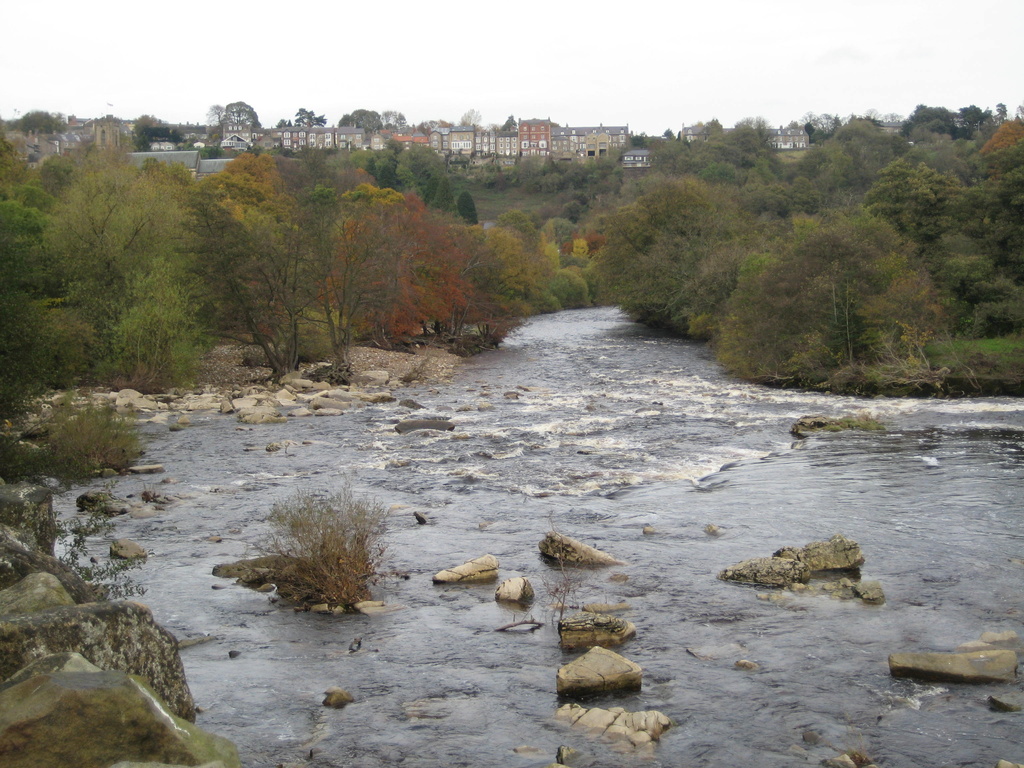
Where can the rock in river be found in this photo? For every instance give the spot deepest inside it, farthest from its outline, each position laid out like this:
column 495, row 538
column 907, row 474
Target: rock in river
column 769, row 571
column 484, row 568
column 585, row 630
column 838, row 553
column 599, row 671
column 565, row 550
column 971, row 667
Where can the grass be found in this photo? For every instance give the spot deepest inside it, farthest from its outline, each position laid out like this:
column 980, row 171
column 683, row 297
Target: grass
column 491, row 203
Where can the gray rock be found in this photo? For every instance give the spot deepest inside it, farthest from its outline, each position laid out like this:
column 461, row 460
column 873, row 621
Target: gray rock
column 837, row 553
column 412, row 425
column 586, row 630
column 28, row 507
column 114, row 636
column 371, row 378
column 35, row 592
column 92, row 719
column 410, row 404
column 484, row 568
column 260, row 414
column 972, row 667
column 566, row 550
column 769, row 571
column 599, row 671
column 18, row 559
column 870, row 592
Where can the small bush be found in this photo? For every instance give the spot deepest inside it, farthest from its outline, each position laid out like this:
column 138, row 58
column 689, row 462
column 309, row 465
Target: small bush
column 80, row 441
column 332, row 544
column 111, row 579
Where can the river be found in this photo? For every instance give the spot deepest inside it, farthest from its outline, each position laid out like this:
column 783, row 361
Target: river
column 599, row 427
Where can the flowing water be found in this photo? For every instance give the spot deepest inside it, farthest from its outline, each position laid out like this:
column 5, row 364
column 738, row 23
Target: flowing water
column 612, row 428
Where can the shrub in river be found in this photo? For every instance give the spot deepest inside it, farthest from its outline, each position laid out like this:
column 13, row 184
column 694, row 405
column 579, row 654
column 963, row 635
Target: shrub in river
column 111, row 578
column 330, row 545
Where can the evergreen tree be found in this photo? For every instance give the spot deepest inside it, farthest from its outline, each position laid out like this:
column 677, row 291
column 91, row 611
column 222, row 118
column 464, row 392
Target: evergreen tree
column 466, row 207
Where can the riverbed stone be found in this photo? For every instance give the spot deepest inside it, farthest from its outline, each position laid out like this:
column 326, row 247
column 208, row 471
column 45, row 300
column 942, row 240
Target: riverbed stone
column 564, row 549
column 126, row 549
column 768, row 571
column 337, row 698
column 1007, row 702
column 515, row 590
column 95, row 718
column 586, row 630
column 114, row 636
column 972, row 667
column 483, row 568
column 260, row 414
column 371, row 378
column 599, row 671
column 35, row 592
column 838, row 553
column 869, row 591
column 29, row 507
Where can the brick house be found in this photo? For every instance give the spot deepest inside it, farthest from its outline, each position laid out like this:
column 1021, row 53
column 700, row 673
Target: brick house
column 535, row 137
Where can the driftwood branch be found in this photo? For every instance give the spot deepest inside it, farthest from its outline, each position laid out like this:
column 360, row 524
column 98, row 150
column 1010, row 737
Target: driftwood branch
column 533, row 625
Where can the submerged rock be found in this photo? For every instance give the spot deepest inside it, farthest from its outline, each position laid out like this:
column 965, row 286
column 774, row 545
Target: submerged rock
column 768, row 571
column 599, row 671
column 337, row 698
column 638, row 728
column 586, row 630
column 484, row 568
column 566, row 550
column 412, row 425
column 970, row 667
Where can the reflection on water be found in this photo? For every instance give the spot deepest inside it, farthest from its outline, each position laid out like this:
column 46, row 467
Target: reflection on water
column 598, row 427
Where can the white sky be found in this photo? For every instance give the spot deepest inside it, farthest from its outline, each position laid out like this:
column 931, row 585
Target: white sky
column 652, row 66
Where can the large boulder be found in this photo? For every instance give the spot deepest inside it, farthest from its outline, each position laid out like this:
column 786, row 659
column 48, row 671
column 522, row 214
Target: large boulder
column 253, row 572
column 70, row 714
column 769, row 571
column 599, row 671
column 639, row 728
column 114, row 636
column 260, row 414
column 585, row 630
column 29, row 508
column 970, row 667
column 566, row 550
column 838, row 553
column 18, row 559
column 484, row 568
column 36, row 592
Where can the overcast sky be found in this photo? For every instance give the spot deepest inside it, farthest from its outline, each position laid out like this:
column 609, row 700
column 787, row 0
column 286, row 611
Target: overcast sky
column 652, row 66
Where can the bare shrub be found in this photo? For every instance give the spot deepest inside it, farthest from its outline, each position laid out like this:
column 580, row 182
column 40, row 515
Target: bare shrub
column 331, row 544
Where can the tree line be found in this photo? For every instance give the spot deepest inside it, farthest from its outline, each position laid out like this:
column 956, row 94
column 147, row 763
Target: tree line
column 867, row 263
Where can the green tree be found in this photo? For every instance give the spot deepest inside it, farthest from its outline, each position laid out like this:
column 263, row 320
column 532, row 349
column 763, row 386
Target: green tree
column 38, row 121
column 466, row 207
column 309, row 119
column 240, row 113
column 366, row 119
column 916, row 200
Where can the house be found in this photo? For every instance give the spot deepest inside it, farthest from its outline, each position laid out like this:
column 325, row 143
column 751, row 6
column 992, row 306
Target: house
column 693, row 133
column 453, row 140
column 535, row 137
column 788, row 138
column 588, row 142
column 636, row 158
column 190, row 158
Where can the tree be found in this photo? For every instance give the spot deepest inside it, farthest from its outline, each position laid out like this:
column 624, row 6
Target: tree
column 240, row 113
column 466, row 207
column 215, row 115
column 471, row 117
column 38, row 121
column 916, row 200
column 510, row 124
column 393, row 120
column 366, row 119
column 309, row 119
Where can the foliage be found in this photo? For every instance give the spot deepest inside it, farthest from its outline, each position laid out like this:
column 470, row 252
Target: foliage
column 466, row 207
column 81, row 440
column 240, row 113
column 308, row 118
column 112, row 577
column 331, row 545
